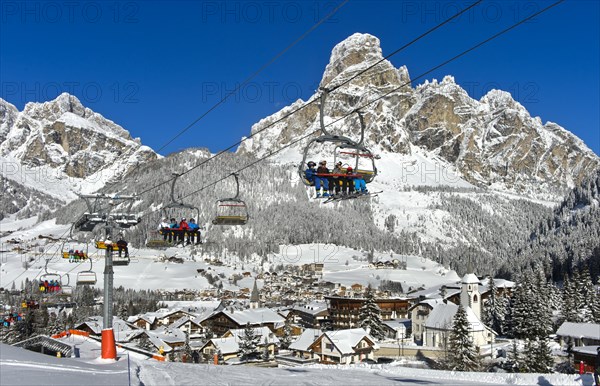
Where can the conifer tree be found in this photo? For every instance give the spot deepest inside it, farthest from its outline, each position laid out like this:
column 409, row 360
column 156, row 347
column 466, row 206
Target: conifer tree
column 286, row 339
column 542, row 354
column 462, row 355
column 145, row 343
column 370, row 316
column 494, row 310
column 513, row 364
column 249, row 344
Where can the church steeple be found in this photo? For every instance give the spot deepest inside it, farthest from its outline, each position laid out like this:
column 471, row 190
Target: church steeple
column 469, row 295
column 254, row 297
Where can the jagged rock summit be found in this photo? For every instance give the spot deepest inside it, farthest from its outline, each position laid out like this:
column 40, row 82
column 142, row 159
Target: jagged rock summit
column 492, row 142
column 61, row 148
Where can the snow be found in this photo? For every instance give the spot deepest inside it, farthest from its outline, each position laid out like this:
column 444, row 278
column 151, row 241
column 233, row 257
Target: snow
column 303, row 342
column 22, row 367
column 345, row 340
column 579, row 330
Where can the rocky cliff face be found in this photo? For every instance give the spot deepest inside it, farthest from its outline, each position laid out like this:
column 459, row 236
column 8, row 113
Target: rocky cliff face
column 493, row 141
column 61, row 147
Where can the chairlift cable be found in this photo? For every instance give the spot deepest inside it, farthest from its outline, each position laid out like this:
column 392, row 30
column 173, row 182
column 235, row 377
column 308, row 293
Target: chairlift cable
column 314, row 100
column 250, row 77
column 380, row 97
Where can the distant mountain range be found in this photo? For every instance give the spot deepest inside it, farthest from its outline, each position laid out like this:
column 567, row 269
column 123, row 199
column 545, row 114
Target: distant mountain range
column 502, row 170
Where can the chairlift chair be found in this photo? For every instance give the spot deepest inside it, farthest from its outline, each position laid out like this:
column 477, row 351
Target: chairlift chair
column 68, row 251
column 87, row 277
column 344, row 146
column 231, row 211
column 174, row 209
column 50, row 277
column 66, row 288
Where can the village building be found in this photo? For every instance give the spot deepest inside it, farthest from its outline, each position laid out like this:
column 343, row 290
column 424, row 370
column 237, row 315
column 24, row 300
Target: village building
column 222, row 321
column 344, row 311
column 344, row 346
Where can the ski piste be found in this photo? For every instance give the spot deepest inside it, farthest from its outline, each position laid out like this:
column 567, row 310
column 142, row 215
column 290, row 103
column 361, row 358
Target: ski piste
column 351, row 196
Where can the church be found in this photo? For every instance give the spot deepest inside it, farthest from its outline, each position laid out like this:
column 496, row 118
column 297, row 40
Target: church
column 438, row 325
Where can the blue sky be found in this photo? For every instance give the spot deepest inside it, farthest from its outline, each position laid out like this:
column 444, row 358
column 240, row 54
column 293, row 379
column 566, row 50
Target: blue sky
column 156, row 66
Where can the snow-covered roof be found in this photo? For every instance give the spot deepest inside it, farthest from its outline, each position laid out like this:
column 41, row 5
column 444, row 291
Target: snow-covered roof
column 470, row 278
column 500, row 283
column 194, row 306
column 307, row 338
column 263, row 332
column 121, row 328
column 225, row 345
column 168, row 335
column 312, row 308
column 428, row 302
column 346, row 340
column 441, row 317
column 579, row 330
column 255, row 316
column 588, row 350
column 181, row 321
column 397, row 325
column 149, row 318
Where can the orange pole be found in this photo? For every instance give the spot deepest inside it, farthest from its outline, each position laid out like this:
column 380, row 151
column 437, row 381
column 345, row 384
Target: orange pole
column 109, row 349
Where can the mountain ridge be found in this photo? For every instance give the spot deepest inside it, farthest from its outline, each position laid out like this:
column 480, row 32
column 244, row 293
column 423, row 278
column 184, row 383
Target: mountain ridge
column 493, row 141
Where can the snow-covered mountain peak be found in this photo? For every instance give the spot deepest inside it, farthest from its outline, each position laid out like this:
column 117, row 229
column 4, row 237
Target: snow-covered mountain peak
column 79, row 148
column 492, row 142
column 498, row 99
column 354, row 55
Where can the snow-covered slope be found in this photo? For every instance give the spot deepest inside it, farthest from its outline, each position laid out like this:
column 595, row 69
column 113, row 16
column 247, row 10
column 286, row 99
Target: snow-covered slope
column 21, row 367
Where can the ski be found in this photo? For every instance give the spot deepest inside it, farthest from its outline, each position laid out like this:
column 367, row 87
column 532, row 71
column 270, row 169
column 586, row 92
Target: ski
column 352, row 196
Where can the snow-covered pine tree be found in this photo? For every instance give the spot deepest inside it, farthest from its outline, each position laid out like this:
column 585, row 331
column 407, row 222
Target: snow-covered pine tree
column 249, row 344
column 494, row 310
column 145, row 344
column 513, row 363
column 542, row 355
column 586, row 296
column 521, row 312
column 265, row 354
column 541, row 326
column 462, row 354
column 286, row 338
column 569, row 310
column 370, row 316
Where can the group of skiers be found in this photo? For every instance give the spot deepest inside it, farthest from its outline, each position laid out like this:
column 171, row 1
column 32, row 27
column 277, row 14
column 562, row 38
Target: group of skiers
column 12, row 318
column 183, row 232
column 337, row 181
column 50, row 286
column 75, row 256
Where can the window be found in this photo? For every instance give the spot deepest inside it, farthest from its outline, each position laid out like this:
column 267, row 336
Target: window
column 474, row 298
column 328, row 346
